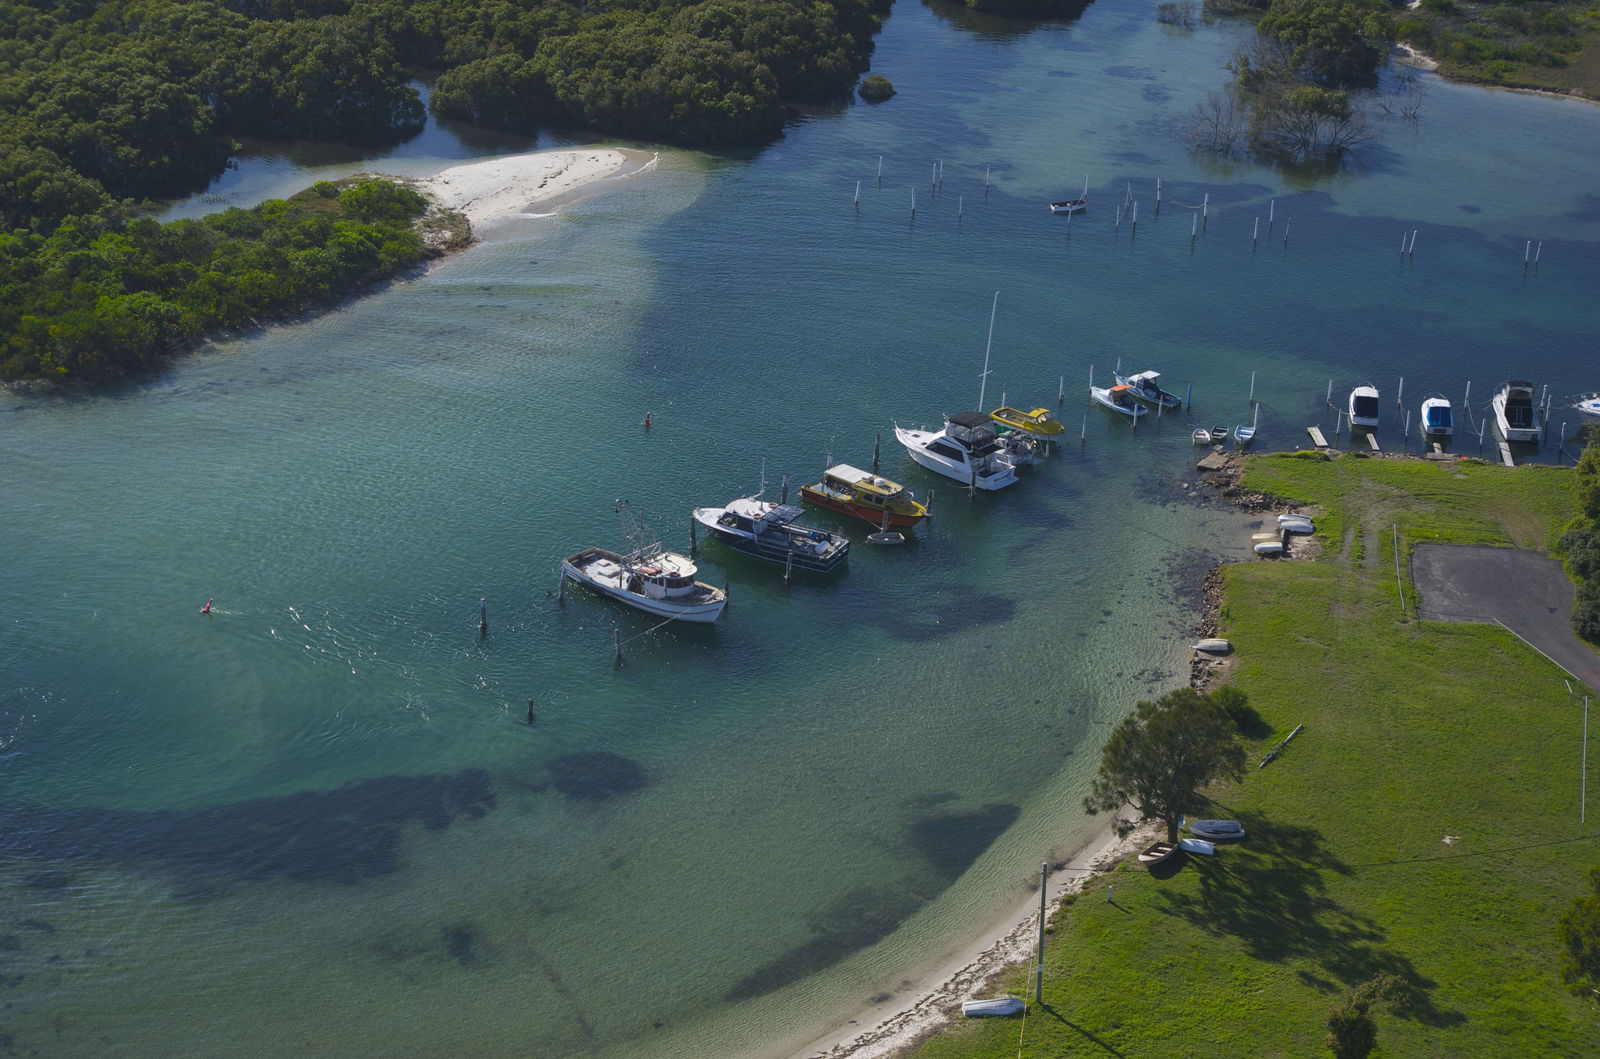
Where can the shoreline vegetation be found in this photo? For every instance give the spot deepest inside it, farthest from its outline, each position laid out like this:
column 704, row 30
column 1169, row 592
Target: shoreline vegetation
column 1405, row 727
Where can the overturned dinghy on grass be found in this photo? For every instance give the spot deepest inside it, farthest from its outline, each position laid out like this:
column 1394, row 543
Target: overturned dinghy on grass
column 1006, row 1005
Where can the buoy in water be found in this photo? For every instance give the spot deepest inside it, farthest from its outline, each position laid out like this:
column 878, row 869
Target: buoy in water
column 207, row 608
column 647, row 420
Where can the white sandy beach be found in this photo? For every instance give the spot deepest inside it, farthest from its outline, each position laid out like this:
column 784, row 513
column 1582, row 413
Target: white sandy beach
column 936, row 998
column 522, row 184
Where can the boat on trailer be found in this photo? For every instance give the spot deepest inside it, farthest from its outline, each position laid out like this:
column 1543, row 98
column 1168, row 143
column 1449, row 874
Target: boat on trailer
column 1436, row 417
column 1514, row 411
column 648, row 578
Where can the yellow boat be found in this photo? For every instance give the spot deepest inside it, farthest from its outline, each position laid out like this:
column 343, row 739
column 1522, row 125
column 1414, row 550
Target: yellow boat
column 1039, row 422
column 852, row 491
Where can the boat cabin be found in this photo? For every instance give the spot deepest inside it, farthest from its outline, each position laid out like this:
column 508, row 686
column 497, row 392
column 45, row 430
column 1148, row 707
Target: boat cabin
column 852, row 483
column 1519, row 405
column 1437, row 420
column 1120, row 397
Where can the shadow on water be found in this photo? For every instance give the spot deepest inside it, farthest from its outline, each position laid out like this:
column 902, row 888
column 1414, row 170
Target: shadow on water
column 947, row 844
column 1273, row 899
column 949, row 611
column 596, row 775
column 343, row 835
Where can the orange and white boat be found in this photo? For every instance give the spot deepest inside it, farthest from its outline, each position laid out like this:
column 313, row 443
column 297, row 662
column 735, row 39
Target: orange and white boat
column 866, row 496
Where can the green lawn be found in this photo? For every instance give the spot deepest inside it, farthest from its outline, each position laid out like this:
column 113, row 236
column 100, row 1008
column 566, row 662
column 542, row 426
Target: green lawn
column 1425, row 822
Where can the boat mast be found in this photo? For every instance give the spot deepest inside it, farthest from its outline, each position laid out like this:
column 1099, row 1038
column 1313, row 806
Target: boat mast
column 983, row 380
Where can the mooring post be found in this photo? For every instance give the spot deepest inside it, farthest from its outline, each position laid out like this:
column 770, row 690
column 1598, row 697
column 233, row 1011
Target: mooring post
column 1061, row 390
column 1287, row 221
column 1044, row 878
column 1188, row 396
column 1272, row 210
column 857, row 202
column 788, row 565
column 694, row 542
column 880, row 170
column 530, row 711
column 1255, row 235
column 561, row 588
column 1400, row 394
column 616, row 640
column 483, row 618
column 1158, row 196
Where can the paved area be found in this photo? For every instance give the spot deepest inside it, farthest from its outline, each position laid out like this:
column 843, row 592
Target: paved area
column 1526, row 591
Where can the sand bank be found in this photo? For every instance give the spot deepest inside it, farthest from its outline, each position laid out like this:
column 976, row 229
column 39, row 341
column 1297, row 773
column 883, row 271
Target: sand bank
column 881, row 1032
column 522, row 184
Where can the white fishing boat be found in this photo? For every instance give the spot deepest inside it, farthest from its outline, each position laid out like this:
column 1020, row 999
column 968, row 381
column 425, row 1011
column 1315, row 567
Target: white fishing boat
column 769, row 531
column 1515, row 413
column 649, row 578
column 1117, row 399
column 966, row 450
column 1436, row 418
column 1146, row 386
column 1363, row 409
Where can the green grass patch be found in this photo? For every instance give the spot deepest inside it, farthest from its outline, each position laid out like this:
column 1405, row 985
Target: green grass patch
column 1425, row 823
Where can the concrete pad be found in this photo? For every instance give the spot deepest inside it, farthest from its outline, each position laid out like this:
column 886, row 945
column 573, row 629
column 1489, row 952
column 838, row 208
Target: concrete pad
column 1525, row 590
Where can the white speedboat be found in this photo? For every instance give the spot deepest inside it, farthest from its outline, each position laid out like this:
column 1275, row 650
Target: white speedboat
column 1146, row 386
column 1589, row 405
column 1117, row 399
column 649, row 578
column 1364, row 407
column 966, row 450
column 768, row 531
column 1515, row 412
column 1436, row 418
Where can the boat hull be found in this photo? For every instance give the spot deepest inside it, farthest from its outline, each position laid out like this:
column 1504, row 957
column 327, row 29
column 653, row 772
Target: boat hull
column 1523, row 412
column 1001, row 476
column 1104, row 400
column 777, row 551
column 864, row 512
column 707, row 606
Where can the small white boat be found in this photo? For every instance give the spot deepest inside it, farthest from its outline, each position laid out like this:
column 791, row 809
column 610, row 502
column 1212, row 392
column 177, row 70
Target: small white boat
column 1201, row 436
column 1515, row 413
column 1269, row 548
column 1267, row 535
column 1219, row 434
column 1364, row 407
column 1436, row 418
column 1117, row 399
column 1197, row 845
column 1216, row 829
column 1213, row 645
column 1146, row 387
column 656, row 581
column 966, row 450
column 1157, row 852
column 1243, row 435
column 1077, row 205
column 1589, row 405
column 1006, row 1005
column 1293, row 516
column 1300, row 528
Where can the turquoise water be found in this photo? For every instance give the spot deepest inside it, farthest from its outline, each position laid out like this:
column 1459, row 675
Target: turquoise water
column 318, row 816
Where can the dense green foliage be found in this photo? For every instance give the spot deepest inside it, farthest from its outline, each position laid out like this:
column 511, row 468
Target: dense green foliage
column 1424, row 825
column 1582, row 543
column 95, row 298
column 1540, row 43
column 1161, row 755
column 136, row 98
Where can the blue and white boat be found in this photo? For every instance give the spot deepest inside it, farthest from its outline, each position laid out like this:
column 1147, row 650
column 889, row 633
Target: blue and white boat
column 1436, row 418
column 769, row 531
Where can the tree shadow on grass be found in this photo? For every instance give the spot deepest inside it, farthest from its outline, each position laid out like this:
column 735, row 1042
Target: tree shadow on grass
column 1271, row 895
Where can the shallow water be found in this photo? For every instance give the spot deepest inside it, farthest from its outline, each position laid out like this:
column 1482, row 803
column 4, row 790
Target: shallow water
column 319, row 815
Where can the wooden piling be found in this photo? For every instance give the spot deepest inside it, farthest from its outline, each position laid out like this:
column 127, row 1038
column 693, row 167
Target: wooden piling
column 483, row 618
column 616, row 642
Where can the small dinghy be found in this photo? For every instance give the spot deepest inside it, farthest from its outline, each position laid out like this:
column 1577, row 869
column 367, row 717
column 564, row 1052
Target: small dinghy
column 1006, row 1005
column 1219, row 434
column 1293, row 516
column 1197, row 845
column 1297, row 527
column 1216, row 829
column 1269, row 548
column 1201, row 436
column 1213, row 645
column 1157, row 852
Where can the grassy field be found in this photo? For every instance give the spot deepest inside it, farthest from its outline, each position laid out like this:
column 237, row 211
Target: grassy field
column 1425, row 823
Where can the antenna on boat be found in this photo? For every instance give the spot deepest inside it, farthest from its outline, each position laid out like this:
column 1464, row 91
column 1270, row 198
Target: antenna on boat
column 983, row 380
